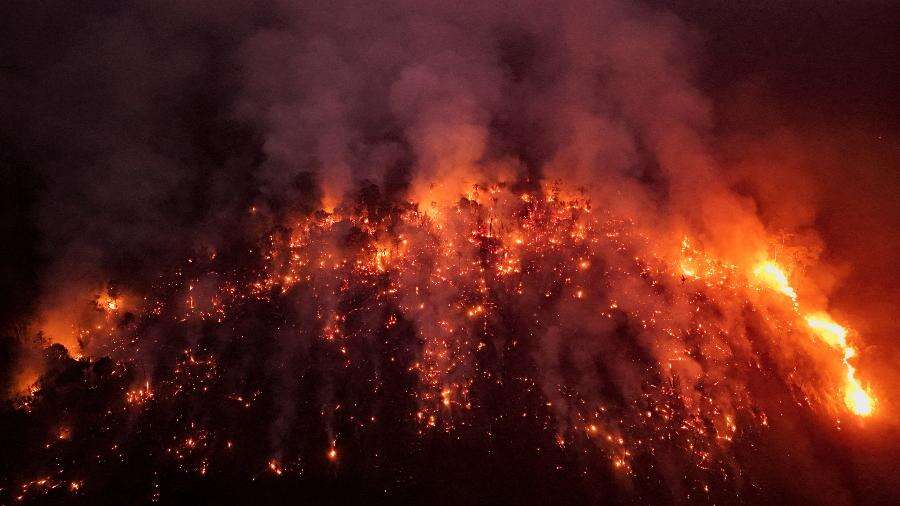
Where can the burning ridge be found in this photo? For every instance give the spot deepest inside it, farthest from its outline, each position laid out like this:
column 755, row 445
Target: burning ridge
column 365, row 339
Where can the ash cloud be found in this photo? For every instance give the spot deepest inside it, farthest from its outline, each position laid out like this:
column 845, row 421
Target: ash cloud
column 154, row 127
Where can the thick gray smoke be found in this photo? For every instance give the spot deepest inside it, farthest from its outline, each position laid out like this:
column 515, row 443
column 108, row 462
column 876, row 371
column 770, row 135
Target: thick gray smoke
column 155, row 126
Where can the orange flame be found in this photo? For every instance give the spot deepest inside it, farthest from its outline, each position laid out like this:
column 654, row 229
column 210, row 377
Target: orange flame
column 773, row 276
column 857, row 399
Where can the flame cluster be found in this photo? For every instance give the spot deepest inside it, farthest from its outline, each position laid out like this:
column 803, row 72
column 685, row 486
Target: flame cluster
column 858, row 399
column 460, row 297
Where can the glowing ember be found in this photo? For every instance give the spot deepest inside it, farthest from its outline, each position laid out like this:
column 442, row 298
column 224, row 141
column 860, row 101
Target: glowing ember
column 139, row 395
column 448, row 299
column 64, row 434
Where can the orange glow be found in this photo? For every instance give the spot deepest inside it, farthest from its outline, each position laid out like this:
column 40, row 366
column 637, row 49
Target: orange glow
column 857, row 398
column 330, row 200
column 107, row 302
column 828, row 330
column 773, row 276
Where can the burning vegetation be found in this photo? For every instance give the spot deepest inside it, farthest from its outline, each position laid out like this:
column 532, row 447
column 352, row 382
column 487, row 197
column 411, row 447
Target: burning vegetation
column 366, row 332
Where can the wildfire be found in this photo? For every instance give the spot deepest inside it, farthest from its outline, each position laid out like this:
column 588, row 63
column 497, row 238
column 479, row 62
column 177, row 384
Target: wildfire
column 139, row 395
column 857, row 399
column 108, row 302
column 451, row 296
column 829, row 331
column 773, row 276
